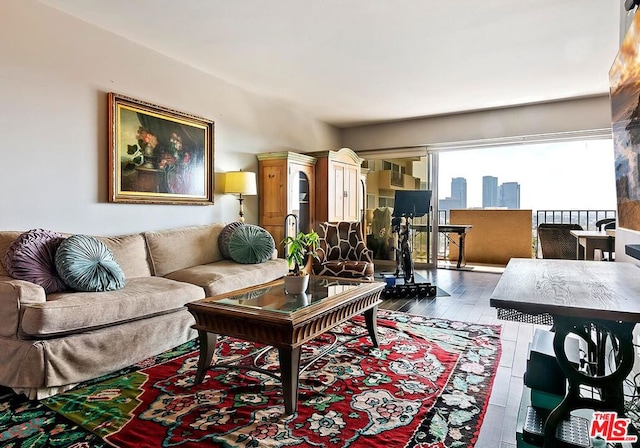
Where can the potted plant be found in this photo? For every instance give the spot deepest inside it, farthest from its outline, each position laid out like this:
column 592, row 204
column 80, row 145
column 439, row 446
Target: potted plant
column 297, row 249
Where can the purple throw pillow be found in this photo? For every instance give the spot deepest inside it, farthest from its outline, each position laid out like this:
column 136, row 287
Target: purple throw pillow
column 31, row 257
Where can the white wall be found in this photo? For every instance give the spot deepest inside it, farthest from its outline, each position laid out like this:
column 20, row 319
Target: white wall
column 55, row 72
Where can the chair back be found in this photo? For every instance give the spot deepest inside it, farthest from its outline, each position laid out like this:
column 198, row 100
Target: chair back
column 341, row 240
column 606, row 223
column 557, row 242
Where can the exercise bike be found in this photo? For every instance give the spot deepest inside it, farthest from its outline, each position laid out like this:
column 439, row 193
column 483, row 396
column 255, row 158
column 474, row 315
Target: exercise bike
column 408, row 204
column 404, row 260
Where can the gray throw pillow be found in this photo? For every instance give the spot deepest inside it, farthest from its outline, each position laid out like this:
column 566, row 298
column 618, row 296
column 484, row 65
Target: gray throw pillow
column 86, row 264
column 251, row 244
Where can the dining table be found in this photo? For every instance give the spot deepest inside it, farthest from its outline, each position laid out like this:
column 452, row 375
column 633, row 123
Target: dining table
column 599, row 303
column 592, row 240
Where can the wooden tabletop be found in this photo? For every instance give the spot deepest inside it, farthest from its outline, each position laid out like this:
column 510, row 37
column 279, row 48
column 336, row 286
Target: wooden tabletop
column 454, row 228
column 591, row 289
column 594, row 234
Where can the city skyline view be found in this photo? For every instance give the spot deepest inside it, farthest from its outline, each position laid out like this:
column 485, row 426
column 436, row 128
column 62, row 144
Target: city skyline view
column 553, row 176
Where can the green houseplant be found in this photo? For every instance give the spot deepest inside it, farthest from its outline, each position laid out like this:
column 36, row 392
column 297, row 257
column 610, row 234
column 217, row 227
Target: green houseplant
column 297, row 249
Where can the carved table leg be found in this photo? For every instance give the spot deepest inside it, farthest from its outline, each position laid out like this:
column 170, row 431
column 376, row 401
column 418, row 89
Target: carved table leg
column 372, row 324
column 289, row 373
column 593, row 332
column 207, row 347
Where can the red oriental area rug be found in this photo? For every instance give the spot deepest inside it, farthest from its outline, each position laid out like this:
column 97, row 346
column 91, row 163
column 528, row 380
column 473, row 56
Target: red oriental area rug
column 427, row 385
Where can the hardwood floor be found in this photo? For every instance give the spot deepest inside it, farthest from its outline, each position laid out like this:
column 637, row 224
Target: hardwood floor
column 469, row 301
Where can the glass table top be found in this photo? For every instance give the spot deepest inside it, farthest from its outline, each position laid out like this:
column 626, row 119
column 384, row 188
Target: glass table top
column 274, row 297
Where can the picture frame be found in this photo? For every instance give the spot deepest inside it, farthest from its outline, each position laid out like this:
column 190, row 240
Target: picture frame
column 624, row 85
column 158, row 155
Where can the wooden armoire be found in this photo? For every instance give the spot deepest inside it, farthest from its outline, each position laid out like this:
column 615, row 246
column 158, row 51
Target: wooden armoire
column 338, row 185
column 286, row 186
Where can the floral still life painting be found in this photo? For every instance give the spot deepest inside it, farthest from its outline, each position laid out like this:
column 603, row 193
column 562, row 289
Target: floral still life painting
column 158, row 155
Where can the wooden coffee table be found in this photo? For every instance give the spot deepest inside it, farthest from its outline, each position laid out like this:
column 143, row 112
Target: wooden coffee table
column 267, row 315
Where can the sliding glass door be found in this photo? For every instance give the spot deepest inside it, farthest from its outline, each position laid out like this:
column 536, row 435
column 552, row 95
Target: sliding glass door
column 386, row 174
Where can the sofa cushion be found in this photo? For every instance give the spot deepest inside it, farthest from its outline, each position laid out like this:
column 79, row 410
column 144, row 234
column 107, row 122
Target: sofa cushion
column 86, row 264
column 31, row 257
column 227, row 275
column 181, row 248
column 130, row 251
column 251, row 244
column 225, row 236
column 74, row 312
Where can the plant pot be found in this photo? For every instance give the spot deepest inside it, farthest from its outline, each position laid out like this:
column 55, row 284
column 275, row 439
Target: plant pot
column 294, row 284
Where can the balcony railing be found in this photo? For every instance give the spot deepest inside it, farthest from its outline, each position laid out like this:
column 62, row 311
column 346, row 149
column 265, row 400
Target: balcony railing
column 397, row 179
column 585, row 218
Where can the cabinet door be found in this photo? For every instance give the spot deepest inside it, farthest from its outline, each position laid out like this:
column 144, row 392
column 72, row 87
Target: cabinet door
column 302, row 195
column 344, row 183
column 351, row 206
column 273, row 200
column 337, row 188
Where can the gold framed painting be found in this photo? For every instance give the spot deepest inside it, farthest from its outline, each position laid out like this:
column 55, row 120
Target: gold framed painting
column 158, row 155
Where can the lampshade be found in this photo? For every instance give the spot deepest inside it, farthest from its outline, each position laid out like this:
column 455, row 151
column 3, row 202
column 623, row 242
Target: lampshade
column 240, row 182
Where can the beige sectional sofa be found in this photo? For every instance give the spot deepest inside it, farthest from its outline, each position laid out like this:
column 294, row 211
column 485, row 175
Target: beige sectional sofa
column 49, row 343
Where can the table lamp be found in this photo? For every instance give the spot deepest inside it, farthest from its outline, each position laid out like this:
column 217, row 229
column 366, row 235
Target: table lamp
column 240, row 182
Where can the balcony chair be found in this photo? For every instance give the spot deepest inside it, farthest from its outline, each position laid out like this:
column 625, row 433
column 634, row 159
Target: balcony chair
column 556, row 241
column 342, row 251
column 606, row 224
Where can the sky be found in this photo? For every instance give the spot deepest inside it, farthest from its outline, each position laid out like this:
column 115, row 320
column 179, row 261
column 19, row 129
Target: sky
column 576, row 175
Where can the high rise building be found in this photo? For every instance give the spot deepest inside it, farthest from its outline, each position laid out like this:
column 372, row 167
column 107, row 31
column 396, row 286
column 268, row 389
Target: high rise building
column 458, row 198
column 459, row 191
column 509, row 195
column 489, row 191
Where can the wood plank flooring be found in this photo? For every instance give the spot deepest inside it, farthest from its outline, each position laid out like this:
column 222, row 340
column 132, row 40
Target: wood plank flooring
column 469, row 301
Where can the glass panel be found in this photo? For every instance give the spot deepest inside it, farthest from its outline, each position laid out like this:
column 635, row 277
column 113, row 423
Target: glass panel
column 274, row 298
column 299, row 204
column 386, row 176
column 304, row 217
column 561, row 182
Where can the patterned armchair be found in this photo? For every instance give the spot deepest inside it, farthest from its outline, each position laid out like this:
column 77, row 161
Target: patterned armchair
column 342, row 251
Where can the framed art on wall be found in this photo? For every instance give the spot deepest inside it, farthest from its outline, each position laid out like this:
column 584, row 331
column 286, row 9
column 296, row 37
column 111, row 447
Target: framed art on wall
column 624, row 79
column 158, row 155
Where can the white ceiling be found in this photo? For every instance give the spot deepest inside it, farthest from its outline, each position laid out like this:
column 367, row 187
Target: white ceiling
column 351, row 62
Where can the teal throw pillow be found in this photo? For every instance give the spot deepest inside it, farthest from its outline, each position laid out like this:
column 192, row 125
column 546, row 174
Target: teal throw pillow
column 86, row 264
column 251, row 244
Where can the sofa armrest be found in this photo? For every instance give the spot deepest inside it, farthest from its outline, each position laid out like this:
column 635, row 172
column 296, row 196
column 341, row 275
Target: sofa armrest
column 13, row 295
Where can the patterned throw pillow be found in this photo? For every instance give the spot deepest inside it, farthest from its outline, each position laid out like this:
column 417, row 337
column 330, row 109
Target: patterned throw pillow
column 251, row 244
column 86, row 264
column 31, row 257
column 225, row 236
